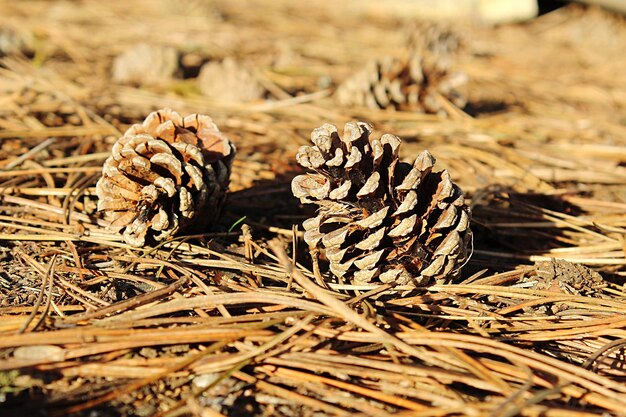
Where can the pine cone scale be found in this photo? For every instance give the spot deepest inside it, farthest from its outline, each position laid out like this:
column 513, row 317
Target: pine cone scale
column 374, row 219
column 372, row 241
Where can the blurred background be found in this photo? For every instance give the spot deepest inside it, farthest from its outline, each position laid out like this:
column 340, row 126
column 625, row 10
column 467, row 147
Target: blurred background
column 485, row 74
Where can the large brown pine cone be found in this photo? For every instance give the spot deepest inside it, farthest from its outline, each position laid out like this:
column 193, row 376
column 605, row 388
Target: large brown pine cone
column 380, row 218
column 422, row 82
column 165, row 175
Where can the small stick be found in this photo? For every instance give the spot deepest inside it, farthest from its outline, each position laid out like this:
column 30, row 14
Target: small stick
column 16, row 172
column 319, row 279
column 43, row 145
column 55, row 131
column 253, row 279
column 45, row 276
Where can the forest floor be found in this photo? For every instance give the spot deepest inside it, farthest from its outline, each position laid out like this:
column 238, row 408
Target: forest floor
column 225, row 323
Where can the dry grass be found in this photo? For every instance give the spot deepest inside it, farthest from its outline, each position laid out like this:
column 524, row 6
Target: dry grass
column 232, row 322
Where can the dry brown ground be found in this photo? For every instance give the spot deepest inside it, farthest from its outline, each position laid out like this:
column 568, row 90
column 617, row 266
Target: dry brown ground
column 214, row 325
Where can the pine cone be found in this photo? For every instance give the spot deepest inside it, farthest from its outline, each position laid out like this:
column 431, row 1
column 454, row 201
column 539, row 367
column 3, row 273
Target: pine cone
column 145, row 64
column 165, row 175
column 229, row 82
column 380, row 218
column 435, row 37
column 418, row 83
column 15, row 41
column 567, row 277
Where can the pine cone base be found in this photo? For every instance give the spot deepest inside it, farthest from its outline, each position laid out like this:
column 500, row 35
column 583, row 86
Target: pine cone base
column 166, row 175
column 380, row 219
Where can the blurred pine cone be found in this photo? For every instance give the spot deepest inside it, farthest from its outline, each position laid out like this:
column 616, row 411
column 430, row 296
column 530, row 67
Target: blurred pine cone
column 379, row 218
column 15, row 41
column 229, row 82
column 421, row 83
column 435, row 37
column 165, row 175
column 145, row 64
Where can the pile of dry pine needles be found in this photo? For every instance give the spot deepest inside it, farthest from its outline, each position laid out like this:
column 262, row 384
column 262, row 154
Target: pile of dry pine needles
column 232, row 322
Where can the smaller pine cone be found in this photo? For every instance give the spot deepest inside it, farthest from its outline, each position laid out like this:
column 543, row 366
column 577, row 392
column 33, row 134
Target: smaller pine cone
column 165, row 175
column 145, row 64
column 421, row 83
column 380, row 218
column 14, row 41
column 229, row 82
column 435, row 37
